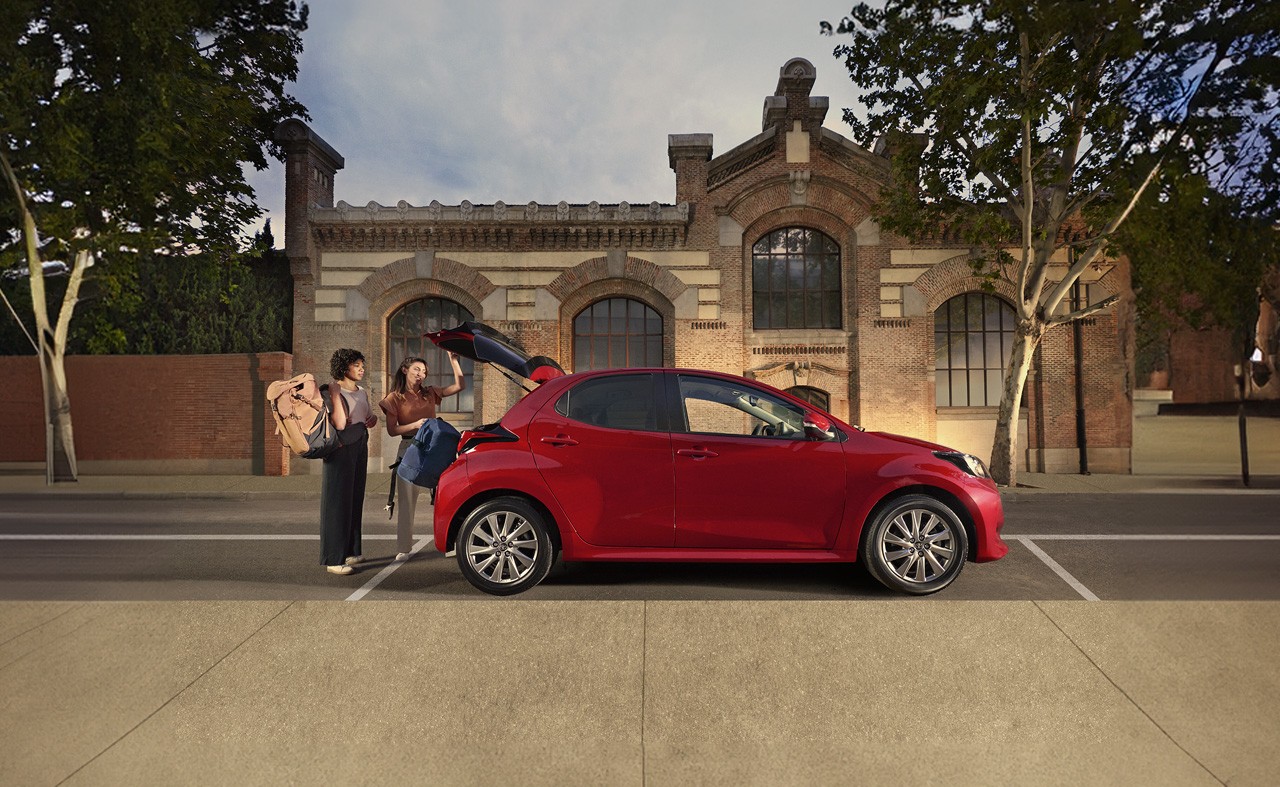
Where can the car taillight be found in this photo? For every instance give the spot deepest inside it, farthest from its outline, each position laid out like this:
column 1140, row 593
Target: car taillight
column 489, row 433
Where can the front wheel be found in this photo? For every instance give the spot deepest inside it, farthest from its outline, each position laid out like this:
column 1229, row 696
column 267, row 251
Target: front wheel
column 915, row 545
column 504, row 547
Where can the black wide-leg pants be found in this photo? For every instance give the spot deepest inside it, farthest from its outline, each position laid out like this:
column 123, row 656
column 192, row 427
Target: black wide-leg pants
column 342, row 500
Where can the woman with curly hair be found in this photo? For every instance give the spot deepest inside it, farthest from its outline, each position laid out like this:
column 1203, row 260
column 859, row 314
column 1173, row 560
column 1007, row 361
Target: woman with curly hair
column 343, row 478
column 407, row 406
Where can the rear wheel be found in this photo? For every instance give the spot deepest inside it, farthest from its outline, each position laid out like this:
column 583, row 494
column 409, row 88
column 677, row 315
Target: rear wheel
column 915, row 545
column 504, row 546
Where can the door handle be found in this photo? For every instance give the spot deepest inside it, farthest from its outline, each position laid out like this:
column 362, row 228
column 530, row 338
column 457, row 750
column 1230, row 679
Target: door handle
column 560, row 440
column 697, row 453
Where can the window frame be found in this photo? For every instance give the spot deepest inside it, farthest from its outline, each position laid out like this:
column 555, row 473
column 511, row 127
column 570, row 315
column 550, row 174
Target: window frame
column 943, row 327
column 830, row 265
column 441, row 374
column 626, row 336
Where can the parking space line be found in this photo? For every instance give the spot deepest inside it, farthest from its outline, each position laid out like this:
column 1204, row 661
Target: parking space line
column 1065, row 575
column 174, row 537
column 388, row 570
column 1145, row 537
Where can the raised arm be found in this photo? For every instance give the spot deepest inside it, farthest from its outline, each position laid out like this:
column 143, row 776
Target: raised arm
column 459, row 382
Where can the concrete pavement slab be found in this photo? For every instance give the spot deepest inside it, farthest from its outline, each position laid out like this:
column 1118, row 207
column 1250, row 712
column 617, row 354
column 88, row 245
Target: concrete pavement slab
column 28, row 626
column 76, row 695
column 486, row 692
column 1205, row 672
column 643, row 692
column 940, row 693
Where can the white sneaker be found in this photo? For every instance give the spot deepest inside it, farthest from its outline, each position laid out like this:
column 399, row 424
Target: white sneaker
column 402, row 556
column 339, row 569
column 355, row 560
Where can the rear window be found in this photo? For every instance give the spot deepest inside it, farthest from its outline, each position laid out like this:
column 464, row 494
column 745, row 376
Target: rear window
column 622, row 402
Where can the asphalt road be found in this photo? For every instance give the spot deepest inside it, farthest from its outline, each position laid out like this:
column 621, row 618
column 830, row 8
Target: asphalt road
column 1062, row 547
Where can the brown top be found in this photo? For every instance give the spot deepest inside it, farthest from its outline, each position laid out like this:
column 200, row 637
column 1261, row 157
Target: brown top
column 411, row 406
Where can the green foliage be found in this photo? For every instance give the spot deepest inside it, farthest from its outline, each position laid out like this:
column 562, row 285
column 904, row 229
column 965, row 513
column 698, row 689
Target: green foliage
column 1198, row 259
column 128, row 123
column 201, row 304
column 1092, row 94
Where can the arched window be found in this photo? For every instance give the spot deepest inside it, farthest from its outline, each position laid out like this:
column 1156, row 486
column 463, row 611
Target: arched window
column 814, row 396
column 616, row 333
column 973, row 335
column 795, row 275
column 404, row 339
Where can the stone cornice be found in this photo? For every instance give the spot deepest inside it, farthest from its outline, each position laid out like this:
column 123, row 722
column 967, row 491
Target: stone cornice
column 500, row 214
column 409, row 237
column 742, row 158
column 855, row 157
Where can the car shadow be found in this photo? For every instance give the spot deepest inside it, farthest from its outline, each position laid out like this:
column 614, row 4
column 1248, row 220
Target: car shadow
column 717, row 580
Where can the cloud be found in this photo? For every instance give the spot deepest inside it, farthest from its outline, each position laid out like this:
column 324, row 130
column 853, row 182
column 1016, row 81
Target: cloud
column 520, row 101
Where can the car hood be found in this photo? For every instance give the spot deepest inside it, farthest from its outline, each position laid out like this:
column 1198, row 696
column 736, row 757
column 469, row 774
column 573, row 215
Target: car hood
column 925, row 444
column 479, row 342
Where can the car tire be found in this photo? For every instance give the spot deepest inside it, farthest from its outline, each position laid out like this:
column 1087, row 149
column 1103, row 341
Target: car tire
column 915, row 544
column 504, row 546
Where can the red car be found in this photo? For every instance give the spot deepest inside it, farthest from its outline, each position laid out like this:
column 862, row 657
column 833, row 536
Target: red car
column 688, row 465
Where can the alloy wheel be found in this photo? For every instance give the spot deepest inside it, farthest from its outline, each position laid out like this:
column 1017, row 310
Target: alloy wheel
column 919, row 546
column 502, row 548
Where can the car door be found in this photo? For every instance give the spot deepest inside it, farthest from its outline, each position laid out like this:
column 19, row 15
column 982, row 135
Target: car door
column 604, row 450
column 746, row 476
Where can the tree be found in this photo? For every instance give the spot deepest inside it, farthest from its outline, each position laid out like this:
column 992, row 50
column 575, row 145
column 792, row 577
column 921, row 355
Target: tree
column 204, row 303
column 1198, row 259
column 1044, row 122
column 124, row 126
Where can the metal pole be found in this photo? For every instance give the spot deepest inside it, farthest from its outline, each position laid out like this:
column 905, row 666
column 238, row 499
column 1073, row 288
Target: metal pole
column 1244, row 433
column 48, row 454
column 1077, row 333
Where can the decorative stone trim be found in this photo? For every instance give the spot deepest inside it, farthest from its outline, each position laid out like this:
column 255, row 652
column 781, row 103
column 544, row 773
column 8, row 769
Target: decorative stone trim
column 742, row 158
column 464, row 277
column 897, row 322
column 633, row 268
column 800, row 349
column 709, row 325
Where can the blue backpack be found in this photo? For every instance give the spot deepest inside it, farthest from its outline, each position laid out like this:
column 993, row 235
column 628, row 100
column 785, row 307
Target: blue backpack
column 433, row 449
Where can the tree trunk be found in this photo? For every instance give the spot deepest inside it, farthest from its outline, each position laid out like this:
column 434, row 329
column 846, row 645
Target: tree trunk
column 60, row 448
column 1004, row 467
column 60, row 461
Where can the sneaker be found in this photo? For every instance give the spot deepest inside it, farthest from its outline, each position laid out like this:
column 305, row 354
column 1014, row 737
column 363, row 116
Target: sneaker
column 402, row 556
column 339, row 569
column 355, row 560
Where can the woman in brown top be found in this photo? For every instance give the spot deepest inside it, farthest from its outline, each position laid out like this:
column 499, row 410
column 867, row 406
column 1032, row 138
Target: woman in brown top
column 407, row 406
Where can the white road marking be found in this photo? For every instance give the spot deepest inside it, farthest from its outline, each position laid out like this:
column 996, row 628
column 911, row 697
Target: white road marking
column 1079, row 587
column 173, row 537
column 386, row 572
column 1146, row 537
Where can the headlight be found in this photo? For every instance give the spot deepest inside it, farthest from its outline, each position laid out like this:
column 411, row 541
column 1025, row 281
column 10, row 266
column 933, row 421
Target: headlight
column 966, row 462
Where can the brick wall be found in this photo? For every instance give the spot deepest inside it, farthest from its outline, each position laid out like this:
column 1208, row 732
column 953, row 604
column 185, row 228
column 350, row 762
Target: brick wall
column 154, row 414
column 1202, row 368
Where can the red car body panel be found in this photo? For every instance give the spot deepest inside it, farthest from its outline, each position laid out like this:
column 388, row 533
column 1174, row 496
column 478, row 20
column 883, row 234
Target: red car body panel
column 615, row 485
column 757, row 493
column 614, row 500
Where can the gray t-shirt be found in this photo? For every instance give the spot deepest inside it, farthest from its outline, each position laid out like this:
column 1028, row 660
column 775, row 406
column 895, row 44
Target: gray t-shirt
column 358, row 409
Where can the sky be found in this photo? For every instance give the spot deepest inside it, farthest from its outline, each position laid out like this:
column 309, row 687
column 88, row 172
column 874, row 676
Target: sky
column 517, row 100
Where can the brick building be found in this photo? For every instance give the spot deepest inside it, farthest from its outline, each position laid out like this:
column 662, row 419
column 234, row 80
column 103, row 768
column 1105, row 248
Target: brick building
column 767, row 264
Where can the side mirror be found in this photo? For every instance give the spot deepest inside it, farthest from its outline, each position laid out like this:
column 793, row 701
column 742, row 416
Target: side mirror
column 816, row 427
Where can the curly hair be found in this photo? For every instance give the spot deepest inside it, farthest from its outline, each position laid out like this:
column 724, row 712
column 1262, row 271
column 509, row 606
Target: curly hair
column 341, row 362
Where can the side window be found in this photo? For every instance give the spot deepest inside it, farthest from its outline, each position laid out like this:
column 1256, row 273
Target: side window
column 623, row 402
column 722, row 407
